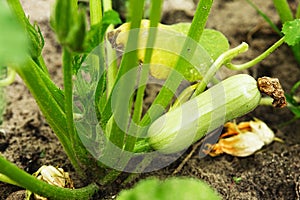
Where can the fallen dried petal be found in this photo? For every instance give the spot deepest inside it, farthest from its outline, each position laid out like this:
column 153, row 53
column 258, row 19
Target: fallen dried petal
column 241, row 145
column 243, row 139
column 53, row 176
column 262, row 130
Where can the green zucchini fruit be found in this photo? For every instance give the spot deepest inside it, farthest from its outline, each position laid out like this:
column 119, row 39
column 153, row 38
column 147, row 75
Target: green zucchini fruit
column 179, row 128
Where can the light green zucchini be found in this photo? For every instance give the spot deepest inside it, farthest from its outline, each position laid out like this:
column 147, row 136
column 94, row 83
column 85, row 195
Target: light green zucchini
column 179, row 128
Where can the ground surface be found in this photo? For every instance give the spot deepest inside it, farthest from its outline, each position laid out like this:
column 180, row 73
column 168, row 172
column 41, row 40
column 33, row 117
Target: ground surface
column 272, row 173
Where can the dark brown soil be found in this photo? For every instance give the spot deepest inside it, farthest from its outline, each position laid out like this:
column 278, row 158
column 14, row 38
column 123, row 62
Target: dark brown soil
column 271, row 173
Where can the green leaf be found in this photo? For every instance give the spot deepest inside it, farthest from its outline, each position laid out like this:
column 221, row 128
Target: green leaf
column 111, row 17
column 96, row 34
column 36, row 39
column 173, row 188
column 14, row 44
column 291, row 30
column 167, row 48
column 214, row 42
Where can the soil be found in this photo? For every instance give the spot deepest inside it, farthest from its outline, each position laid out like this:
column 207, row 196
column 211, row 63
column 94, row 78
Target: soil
column 271, row 173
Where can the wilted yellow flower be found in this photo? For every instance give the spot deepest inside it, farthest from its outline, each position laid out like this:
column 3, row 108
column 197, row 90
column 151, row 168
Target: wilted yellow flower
column 53, row 176
column 243, row 139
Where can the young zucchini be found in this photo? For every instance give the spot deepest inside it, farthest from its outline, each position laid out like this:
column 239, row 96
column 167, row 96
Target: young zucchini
column 179, row 128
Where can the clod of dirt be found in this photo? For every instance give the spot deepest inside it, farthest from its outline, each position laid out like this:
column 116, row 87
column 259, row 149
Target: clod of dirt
column 18, row 195
column 3, row 140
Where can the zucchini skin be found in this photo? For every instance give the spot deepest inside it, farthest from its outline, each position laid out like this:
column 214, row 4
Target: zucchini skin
column 178, row 129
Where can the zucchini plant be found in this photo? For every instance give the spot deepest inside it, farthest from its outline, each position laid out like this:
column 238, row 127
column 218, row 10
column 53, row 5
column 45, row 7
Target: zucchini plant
column 98, row 116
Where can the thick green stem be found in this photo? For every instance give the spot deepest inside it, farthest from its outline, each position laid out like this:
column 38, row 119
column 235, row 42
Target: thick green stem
column 36, row 186
column 154, row 20
column 138, row 106
column 81, row 154
column 283, row 10
column 124, row 84
column 95, row 11
column 107, row 5
column 47, row 95
column 129, row 60
column 199, row 20
column 266, row 101
column 75, row 143
column 67, row 70
column 257, row 59
column 165, row 95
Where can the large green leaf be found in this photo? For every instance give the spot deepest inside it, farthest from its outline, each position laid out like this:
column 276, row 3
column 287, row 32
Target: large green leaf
column 173, row 188
column 214, row 42
column 291, row 30
column 168, row 46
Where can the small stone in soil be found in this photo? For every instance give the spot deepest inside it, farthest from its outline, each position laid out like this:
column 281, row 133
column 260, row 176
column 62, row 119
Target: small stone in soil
column 21, row 194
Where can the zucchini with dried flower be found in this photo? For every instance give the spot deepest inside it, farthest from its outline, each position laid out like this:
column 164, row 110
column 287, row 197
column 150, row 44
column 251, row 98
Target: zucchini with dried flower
column 229, row 99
